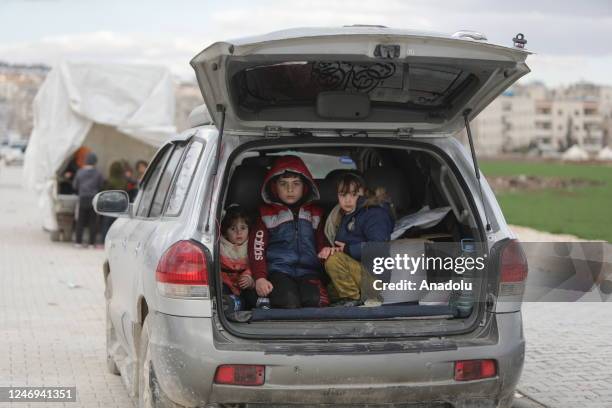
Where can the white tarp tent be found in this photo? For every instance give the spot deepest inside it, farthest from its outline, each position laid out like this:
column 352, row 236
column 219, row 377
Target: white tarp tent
column 605, row 154
column 575, row 153
column 136, row 101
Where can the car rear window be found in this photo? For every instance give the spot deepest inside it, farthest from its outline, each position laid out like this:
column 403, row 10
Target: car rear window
column 408, row 86
column 165, row 181
column 182, row 182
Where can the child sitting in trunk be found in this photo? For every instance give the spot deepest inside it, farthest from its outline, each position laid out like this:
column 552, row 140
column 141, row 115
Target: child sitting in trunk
column 360, row 216
column 288, row 234
column 238, row 283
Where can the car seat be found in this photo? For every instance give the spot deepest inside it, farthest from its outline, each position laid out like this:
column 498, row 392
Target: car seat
column 328, row 190
column 245, row 187
column 394, row 183
column 260, row 161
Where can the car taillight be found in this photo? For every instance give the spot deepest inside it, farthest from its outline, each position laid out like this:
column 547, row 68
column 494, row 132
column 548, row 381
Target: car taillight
column 182, row 271
column 469, row 370
column 513, row 269
column 239, row 374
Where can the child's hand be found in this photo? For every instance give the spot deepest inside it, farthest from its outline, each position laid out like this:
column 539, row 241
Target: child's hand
column 339, row 246
column 263, row 287
column 246, row 282
column 325, row 253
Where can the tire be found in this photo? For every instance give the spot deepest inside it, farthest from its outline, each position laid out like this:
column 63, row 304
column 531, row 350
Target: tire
column 150, row 395
column 110, row 330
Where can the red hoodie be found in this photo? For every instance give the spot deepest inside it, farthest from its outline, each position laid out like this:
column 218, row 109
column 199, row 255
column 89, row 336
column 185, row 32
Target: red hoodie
column 287, row 239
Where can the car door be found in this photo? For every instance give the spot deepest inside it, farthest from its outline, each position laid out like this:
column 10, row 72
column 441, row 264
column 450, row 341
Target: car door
column 144, row 234
column 122, row 263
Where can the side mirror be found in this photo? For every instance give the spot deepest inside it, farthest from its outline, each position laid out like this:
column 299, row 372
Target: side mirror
column 112, row 203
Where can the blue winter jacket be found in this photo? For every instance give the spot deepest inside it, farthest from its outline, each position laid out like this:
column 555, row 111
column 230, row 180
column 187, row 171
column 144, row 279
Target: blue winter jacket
column 287, row 240
column 370, row 222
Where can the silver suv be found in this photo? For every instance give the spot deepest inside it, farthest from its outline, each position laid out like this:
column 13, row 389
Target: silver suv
column 379, row 101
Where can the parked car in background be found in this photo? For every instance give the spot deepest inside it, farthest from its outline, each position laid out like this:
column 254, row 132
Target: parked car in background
column 379, row 101
column 13, row 152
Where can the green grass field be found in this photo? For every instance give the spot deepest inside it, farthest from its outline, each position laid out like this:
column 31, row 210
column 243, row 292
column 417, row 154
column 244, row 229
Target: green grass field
column 585, row 211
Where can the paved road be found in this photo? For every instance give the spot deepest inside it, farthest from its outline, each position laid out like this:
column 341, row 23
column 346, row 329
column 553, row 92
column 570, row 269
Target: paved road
column 52, row 323
column 51, row 308
column 569, row 347
column 569, row 354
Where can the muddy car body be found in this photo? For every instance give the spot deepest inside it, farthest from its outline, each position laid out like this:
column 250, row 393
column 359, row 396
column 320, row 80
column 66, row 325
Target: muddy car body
column 166, row 333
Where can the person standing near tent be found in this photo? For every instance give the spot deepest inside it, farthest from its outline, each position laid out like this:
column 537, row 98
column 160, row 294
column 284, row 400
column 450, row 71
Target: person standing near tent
column 87, row 183
column 116, row 181
column 141, row 167
column 76, row 162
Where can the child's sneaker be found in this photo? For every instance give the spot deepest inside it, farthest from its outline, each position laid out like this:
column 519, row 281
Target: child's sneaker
column 231, row 303
column 263, row 303
column 347, row 303
column 371, row 303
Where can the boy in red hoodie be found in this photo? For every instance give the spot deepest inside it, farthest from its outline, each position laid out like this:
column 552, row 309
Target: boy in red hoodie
column 287, row 237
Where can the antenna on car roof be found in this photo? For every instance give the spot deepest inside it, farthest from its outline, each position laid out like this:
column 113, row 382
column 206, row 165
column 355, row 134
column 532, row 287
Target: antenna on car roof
column 466, row 113
column 221, row 109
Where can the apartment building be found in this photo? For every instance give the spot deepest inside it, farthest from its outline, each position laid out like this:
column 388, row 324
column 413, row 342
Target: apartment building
column 533, row 117
column 18, row 87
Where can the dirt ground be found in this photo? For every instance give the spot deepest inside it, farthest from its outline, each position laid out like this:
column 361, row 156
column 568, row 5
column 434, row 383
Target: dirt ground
column 526, row 234
column 524, row 182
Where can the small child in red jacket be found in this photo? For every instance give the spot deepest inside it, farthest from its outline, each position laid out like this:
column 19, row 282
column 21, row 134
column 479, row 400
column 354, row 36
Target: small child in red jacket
column 235, row 272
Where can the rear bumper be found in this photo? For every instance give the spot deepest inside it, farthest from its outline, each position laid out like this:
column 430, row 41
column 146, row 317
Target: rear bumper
column 185, row 359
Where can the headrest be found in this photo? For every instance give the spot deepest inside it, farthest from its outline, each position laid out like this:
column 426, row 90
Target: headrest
column 261, row 161
column 394, row 183
column 245, row 187
column 337, row 173
column 328, row 189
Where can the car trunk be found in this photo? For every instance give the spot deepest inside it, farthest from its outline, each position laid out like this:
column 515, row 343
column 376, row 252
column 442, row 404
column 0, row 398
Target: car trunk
column 372, row 87
column 427, row 315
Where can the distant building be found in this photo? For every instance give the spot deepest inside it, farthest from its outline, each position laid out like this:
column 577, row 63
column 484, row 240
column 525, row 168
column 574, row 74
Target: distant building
column 524, row 118
column 529, row 117
column 18, row 87
column 188, row 96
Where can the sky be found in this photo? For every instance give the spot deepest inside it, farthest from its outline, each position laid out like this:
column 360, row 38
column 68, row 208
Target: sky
column 572, row 41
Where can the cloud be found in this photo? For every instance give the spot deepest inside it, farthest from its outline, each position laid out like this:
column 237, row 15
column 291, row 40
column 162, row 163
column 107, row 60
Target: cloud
column 551, row 28
column 571, row 41
column 557, row 70
column 107, row 46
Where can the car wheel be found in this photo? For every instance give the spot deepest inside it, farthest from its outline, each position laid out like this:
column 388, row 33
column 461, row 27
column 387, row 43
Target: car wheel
column 150, row 395
column 111, row 336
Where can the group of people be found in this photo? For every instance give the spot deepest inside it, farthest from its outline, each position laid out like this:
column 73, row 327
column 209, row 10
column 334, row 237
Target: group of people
column 87, row 181
column 292, row 255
